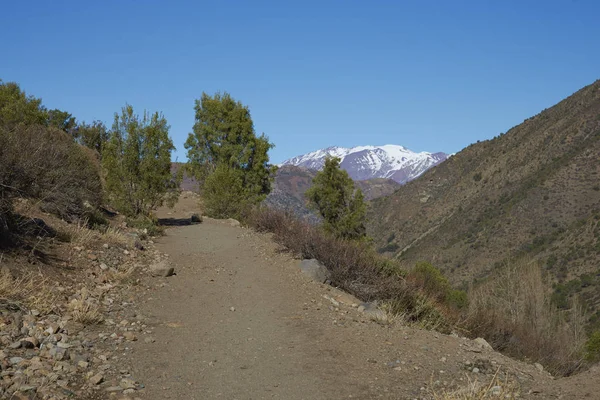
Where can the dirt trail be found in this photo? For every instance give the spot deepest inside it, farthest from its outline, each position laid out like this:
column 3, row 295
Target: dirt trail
column 239, row 321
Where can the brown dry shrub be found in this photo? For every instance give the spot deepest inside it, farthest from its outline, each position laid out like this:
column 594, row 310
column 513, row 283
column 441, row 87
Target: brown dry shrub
column 355, row 267
column 45, row 164
column 513, row 312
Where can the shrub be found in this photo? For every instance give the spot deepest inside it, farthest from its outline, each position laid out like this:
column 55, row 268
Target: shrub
column 137, row 163
column 592, row 347
column 513, row 311
column 45, row 164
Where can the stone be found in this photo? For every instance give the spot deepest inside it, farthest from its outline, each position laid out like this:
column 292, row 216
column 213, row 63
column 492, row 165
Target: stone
column 16, row 345
column 130, row 336
column 539, row 367
column 162, row 269
column 315, row 270
column 127, row 383
column 30, row 342
column 103, row 266
column 196, row 218
column 483, row 343
column 233, row 222
column 114, row 389
column 97, row 379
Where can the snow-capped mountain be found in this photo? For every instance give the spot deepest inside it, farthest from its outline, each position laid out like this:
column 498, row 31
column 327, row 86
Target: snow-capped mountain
column 366, row 162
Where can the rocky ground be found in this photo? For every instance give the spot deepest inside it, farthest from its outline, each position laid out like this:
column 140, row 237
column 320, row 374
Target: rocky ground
column 238, row 319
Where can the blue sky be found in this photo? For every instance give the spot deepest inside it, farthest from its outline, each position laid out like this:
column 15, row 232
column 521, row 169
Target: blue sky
column 429, row 75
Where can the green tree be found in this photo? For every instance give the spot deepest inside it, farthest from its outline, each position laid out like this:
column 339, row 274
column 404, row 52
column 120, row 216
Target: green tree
column 342, row 206
column 224, row 143
column 93, row 136
column 61, row 120
column 137, row 163
column 18, row 108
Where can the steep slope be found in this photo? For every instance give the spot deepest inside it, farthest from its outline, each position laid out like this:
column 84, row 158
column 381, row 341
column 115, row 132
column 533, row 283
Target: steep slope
column 532, row 192
column 291, row 183
column 367, row 162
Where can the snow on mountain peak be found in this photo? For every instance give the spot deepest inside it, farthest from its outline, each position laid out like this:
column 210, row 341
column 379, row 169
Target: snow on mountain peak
column 366, row 162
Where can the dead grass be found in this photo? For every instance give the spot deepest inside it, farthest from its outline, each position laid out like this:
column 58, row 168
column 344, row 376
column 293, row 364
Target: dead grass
column 496, row 388
column 85, row 309
column 513, row 312
column 80, row 235
column 31, row 291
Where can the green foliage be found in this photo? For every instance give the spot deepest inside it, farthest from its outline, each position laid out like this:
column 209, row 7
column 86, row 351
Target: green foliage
column 342, row 207
column 61, row 120
column 430, row 280
column 148, row 224
column 458, row 299
column 592, row 347
column 93, row 136
column 223, row 193
column 137, row 163
column 224, row 142
column 18, row 108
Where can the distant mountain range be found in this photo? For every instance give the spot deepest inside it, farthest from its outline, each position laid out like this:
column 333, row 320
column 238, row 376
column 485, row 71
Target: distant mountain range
column 367, row 162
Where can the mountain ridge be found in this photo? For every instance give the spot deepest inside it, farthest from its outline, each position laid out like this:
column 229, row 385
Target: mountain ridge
column 366, row 162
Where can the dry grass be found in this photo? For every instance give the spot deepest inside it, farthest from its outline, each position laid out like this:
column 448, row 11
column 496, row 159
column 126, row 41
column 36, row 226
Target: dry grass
column 513, row 311
column 80, row 235
column 31, row 291
column 124, row 277
column 496, row 388
column 85, row 309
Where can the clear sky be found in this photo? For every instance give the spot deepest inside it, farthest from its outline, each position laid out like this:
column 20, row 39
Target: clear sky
column 428, row 75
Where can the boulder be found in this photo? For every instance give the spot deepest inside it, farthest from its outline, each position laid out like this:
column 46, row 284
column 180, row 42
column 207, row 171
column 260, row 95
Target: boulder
column 315, row 270
column 162, row 268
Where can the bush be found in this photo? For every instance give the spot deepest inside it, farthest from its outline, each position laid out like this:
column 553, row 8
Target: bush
column 592, row 347
column 45, row 164
column 513, row 311
column 223, row 193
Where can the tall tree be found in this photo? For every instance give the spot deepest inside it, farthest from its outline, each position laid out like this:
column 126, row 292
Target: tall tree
column 342, row 206
column 224, row 142
column 137, row 163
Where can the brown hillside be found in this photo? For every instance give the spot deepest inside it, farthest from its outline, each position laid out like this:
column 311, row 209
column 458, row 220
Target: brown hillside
column 532, row 192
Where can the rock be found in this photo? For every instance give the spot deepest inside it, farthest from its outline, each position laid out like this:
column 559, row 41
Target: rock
column 149, row 340
column 130, row 336
column 231, row 308
column 30, row 342
column 16, row 345
column 475, row 370
column 15, row 360
column 233, row 222
column 484, row 344
column 196, row 218
column 97, row 379
column 114, row 389
column 103, row 266
column 162, row 268
column 127, row 383
column 315, row 270
column 539, row 367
